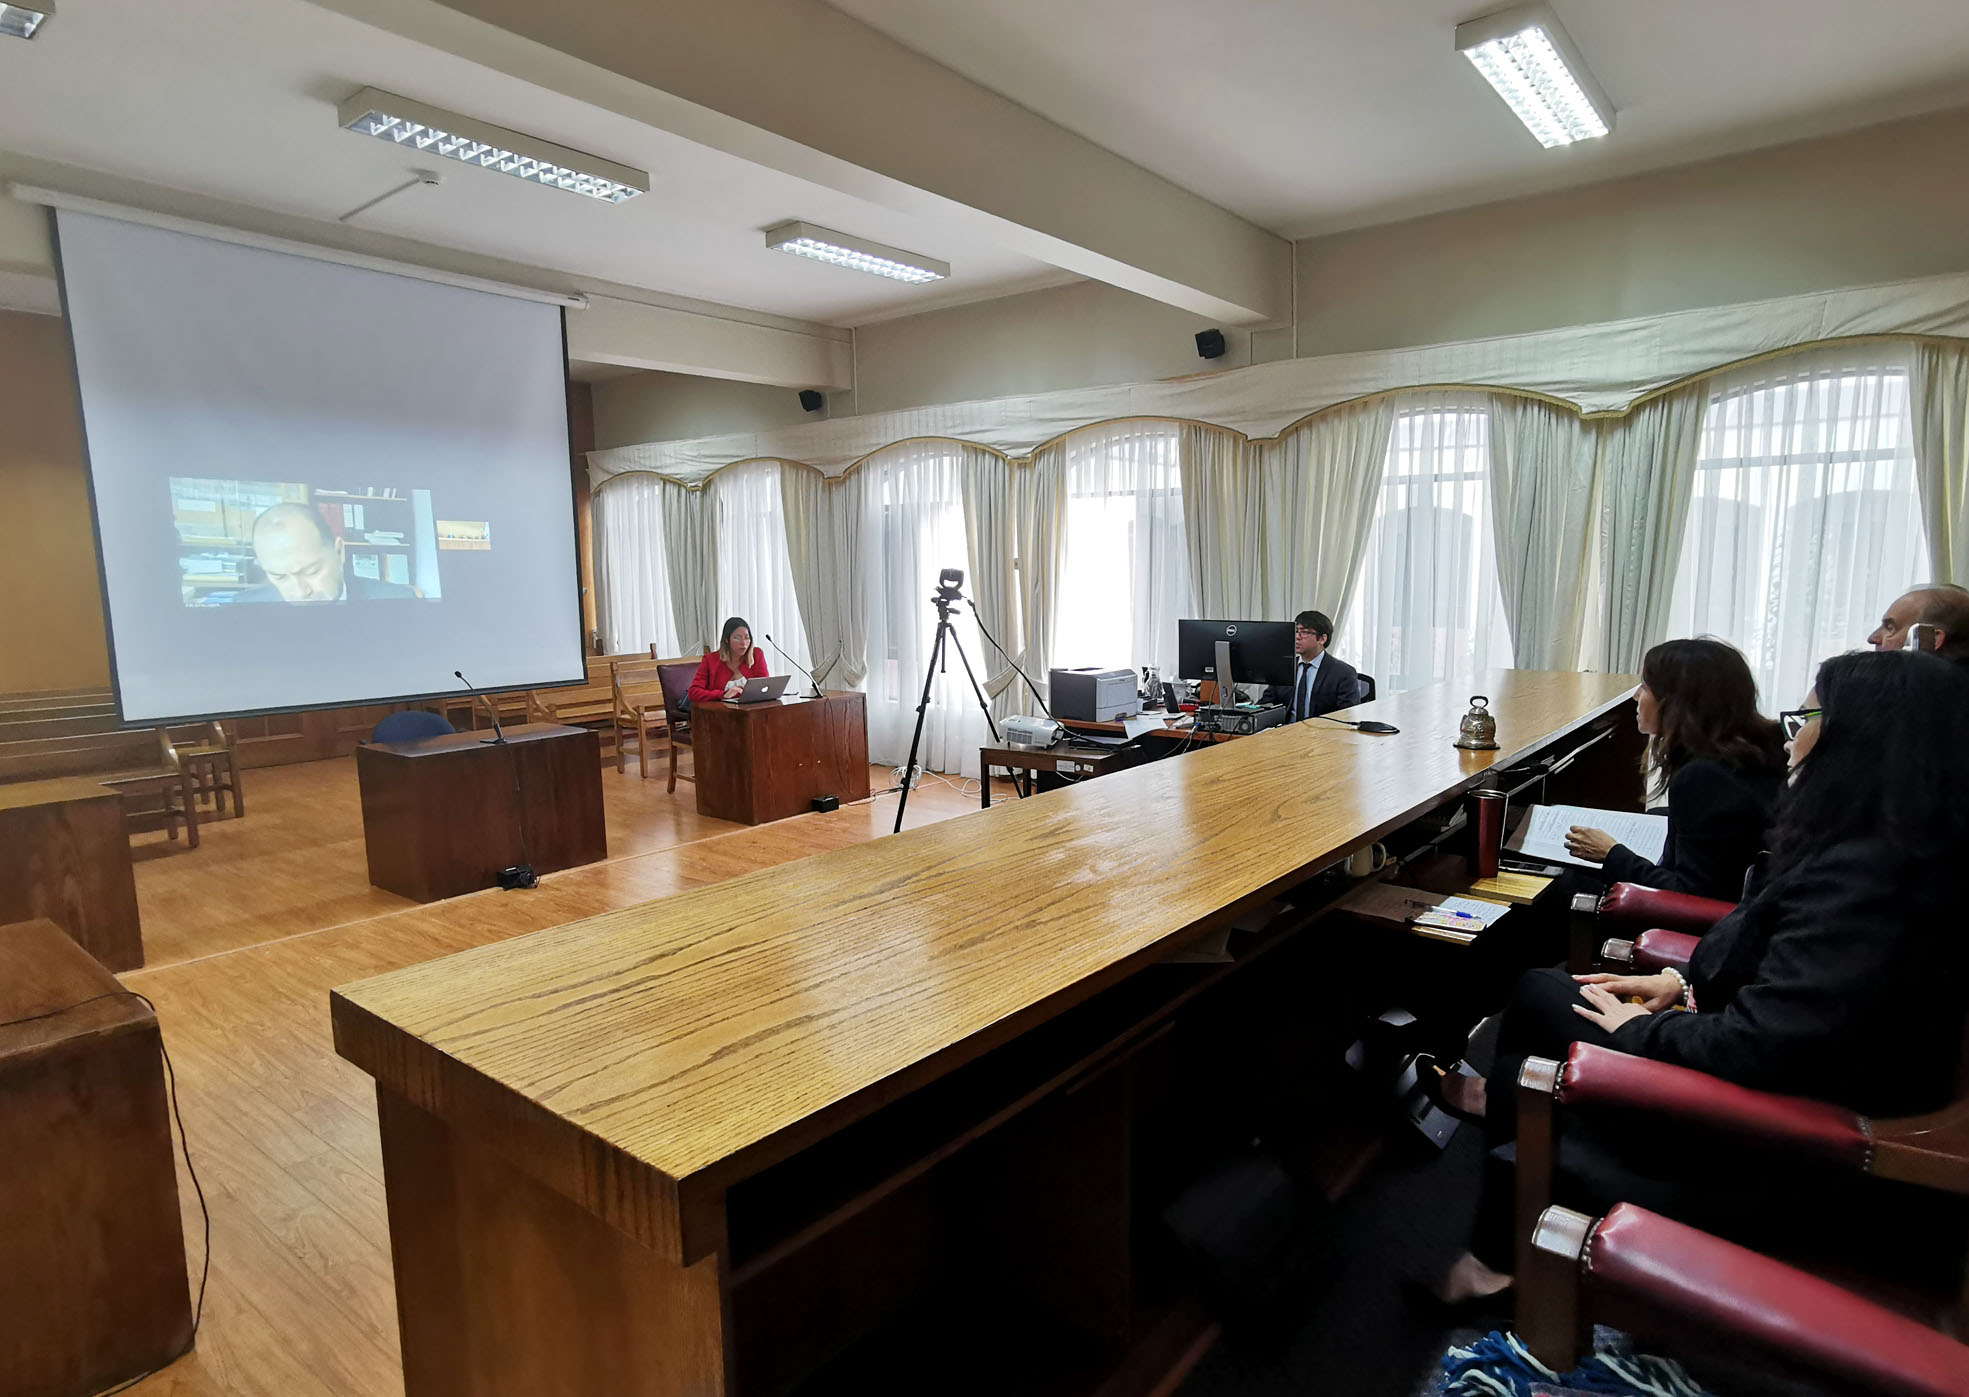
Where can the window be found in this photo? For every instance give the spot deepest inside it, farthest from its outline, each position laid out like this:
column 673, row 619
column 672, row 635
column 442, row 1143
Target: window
column 1804, row 522
column 633, row 608
column 755, row 574
column 1427, row 605
column 1125, row 579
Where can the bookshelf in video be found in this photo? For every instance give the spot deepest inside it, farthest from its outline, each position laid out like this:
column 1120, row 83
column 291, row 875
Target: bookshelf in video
column 383, row 536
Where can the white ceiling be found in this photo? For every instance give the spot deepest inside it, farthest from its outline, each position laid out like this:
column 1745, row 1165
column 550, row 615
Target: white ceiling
column 236, row 99
column 1306, row 116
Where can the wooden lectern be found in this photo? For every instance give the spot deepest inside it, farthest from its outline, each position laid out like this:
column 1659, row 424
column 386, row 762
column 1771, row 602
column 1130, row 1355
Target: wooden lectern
column 764, row 761
column 442, row 815
column 65, row 855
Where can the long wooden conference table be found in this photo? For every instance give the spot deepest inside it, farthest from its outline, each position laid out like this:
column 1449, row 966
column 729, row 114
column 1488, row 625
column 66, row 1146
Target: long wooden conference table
column 903, row 1116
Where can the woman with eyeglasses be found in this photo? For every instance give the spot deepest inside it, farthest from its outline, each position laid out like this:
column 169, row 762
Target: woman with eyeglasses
column 1822, row 984
column 1712, row 758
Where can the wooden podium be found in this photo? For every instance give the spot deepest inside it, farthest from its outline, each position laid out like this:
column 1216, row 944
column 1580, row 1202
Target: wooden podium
column 65, row 855
column 442, row 815
column 764, row 761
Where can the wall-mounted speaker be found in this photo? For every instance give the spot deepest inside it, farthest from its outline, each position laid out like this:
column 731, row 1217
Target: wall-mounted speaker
column 1210, row 343
column 810, row 399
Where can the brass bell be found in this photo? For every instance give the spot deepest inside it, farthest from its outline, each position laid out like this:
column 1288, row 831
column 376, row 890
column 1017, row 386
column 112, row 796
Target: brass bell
column 1478, row 732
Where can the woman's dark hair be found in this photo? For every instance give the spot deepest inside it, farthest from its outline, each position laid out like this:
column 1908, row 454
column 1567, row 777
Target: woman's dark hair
column 732, row 623
column 1708, row 706
column 1891, row 760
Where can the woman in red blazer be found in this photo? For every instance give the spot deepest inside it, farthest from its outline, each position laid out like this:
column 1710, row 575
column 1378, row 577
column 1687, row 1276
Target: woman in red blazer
column 723, row 673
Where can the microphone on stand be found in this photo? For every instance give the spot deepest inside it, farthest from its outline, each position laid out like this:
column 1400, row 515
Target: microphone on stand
column 795, row 663
column 498, row 733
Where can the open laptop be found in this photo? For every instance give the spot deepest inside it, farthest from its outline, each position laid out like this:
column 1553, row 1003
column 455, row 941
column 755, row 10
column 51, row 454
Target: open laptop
column 763, row 690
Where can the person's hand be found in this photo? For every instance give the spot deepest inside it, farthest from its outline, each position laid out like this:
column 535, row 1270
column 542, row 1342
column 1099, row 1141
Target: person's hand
column 1656, row 992
column 734, row 688
column 1591, row 844
column 1603, row 1009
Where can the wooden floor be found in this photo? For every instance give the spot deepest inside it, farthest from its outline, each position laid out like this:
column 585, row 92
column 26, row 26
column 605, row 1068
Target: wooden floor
column 247, row 935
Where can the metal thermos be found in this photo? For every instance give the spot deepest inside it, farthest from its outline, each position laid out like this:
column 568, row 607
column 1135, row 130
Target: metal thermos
column 1487, row 815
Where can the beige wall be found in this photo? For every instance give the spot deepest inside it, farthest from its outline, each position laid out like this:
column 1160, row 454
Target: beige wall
column 676, row 407
column 1065, row 337
column 51, row 613
column 1880, row 204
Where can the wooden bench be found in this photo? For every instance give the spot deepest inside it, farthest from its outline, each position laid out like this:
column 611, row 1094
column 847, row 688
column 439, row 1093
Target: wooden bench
column 590, row 704
column 22, row 725
column 141, row 765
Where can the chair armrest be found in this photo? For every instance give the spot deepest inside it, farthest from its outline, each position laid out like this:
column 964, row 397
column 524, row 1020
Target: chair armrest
column 1691, row 1278
column 1657, row 949
column 1596, row 1077
column 1632, row 908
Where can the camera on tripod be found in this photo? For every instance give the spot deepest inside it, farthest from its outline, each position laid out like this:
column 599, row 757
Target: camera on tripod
column 950, row 585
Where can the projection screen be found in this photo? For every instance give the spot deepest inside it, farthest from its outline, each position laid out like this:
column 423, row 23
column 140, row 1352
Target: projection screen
column 316, row 485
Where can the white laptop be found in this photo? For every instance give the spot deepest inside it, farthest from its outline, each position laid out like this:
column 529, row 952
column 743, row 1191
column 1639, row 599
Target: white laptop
column 763, row 690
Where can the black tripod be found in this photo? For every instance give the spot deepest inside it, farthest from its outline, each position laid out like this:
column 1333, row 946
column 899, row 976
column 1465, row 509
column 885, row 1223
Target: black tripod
column 944, row 598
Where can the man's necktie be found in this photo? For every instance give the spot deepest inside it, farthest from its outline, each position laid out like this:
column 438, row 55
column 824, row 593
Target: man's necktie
column 1302, row 700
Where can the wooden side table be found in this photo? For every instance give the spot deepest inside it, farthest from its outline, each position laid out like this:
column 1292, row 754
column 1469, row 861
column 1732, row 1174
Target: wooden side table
column 92, row 1256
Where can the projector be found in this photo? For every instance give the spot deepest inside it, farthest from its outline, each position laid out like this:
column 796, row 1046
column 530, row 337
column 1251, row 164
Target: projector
column 1094, row 695
column 1030, row 733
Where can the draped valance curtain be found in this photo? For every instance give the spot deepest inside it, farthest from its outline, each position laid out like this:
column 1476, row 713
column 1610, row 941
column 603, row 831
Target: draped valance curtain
column 1444, row 530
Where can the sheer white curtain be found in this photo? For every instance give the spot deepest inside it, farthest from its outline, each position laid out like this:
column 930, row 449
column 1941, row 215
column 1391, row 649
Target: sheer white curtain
column 1541, row 474
column 1427, row 603
column 1805, row 519
column 1224, row 518
column 913, row 528
column 632, row 584
column 1125, row 578
column 755, row 572
column 1322, row 485
column 1645, row 474
column 1939, row 395
column 807, row 512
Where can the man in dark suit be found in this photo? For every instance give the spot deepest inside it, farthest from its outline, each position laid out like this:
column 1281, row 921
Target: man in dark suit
column 305, row 562
column 1320, row 682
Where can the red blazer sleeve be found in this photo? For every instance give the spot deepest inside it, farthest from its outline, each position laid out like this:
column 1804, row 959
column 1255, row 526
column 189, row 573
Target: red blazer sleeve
column 755, row 666
column 708, row 684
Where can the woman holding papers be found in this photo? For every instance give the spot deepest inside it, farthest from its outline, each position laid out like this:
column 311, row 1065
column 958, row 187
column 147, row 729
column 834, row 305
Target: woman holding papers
column 1822, row 984
column 1716, row 762
column 722, row 673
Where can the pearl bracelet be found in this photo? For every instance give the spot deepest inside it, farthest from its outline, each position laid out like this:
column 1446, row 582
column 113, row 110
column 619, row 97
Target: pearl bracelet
column 1688, row 990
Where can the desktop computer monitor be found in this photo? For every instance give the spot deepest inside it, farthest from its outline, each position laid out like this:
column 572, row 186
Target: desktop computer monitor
column 1262, row 652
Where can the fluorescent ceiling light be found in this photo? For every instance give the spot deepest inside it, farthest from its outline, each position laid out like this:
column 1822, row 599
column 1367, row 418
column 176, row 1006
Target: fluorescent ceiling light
column 1526, row 54
column 20, row 22
column 434, row 131
column 826, row 245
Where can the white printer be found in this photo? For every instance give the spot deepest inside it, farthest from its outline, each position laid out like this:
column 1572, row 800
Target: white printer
column 1094, row 695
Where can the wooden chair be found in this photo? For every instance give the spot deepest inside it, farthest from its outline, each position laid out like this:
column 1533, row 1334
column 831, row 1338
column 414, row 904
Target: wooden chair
column 211, row 763
column 676, row 682
column 590, row 704
column 639, row 710
column 139, row 764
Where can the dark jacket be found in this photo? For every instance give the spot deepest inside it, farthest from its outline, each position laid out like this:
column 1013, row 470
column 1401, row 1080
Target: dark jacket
column 1337, row 685
column 1718, row 816
column 1836, row 981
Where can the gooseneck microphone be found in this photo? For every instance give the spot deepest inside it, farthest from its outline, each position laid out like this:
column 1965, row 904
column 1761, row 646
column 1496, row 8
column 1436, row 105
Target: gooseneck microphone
column 795, row 663
column 498, row 733
column 1363, row 725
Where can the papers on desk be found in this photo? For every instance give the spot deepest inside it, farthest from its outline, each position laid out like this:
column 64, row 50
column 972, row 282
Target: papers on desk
column 1388, row 902
column 1136, row 725
column 1546, row 826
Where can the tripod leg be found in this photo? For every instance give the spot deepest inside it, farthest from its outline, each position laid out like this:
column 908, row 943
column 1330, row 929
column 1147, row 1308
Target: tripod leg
column 922, row 708
column 971, row 675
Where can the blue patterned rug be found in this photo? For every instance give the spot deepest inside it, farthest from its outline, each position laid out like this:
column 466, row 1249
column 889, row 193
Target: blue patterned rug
column 1499, row 1365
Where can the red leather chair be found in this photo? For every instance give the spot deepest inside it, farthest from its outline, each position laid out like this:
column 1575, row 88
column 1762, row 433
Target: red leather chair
column 1655, row 1277
column 1633, row 910
column 1930, row 1151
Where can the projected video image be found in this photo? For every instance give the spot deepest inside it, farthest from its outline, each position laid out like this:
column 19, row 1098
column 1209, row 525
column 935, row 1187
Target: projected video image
column 281, row 542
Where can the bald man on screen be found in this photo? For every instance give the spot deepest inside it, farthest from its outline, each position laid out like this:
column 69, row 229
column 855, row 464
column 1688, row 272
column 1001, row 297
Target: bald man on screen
column 305, row 562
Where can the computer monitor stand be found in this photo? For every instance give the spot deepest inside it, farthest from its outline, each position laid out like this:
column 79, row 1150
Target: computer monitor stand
column 1226, row 686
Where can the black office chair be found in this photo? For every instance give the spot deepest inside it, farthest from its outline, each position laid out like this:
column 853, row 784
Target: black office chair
column 410, row 725
column 1367, row 688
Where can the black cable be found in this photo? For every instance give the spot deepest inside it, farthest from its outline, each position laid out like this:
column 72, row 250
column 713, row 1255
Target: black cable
column 184, row 1149
column 1009, row 660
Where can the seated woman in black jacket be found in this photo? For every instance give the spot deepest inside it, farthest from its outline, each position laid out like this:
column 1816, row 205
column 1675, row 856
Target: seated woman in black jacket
column 1824, row 983
column 1715, row 761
